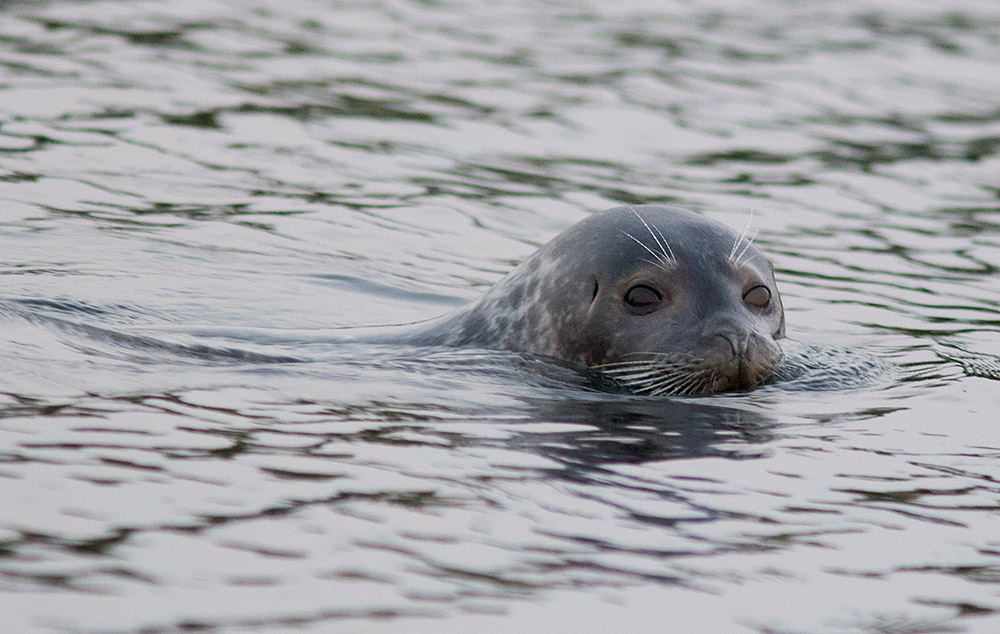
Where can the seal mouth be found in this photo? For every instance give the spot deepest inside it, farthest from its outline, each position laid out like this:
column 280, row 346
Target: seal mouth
column 726, row 369
column 753, row 359
column 662, row 374
column 746, row 379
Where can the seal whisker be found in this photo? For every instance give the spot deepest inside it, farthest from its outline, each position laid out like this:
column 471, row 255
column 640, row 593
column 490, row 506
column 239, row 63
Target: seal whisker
column 652, row 381
column 634, row 372
column 739, row 238
column 663, row 264
column 669, row 252
column 656, row 264
column 685, row 387
column 700, row 381
column 658, row 386
column 711, row 379
column 642, row 380
column 668, row 382
column 657, row 373
column 644, row 371
column 657, row 390
column 658, row 357
column 706, row 382
column 702, row 385
column 746, row 247
column 675, row 386
column 619, row 364
column 664, row 247
column 653, row 376
column 678, row 386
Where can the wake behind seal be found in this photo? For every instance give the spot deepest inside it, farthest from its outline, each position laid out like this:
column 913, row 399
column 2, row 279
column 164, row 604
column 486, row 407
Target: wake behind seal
column 659, row 299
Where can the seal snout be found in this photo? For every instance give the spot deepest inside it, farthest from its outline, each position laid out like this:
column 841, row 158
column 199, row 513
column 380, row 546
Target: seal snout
column 736, row 342
column 747, row 358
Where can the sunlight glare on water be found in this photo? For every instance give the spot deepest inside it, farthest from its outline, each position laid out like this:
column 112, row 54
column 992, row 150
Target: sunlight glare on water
column 252, row 175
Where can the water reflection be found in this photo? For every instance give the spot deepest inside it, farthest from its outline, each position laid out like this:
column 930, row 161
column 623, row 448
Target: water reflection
column 639, row 430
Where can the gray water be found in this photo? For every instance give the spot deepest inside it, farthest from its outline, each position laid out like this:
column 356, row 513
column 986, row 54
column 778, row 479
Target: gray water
column 257, row 173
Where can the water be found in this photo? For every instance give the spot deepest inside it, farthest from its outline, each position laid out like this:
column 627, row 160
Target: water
column 172, row 169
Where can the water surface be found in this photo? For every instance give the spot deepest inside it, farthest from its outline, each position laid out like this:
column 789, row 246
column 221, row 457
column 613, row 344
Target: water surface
column 170, row 169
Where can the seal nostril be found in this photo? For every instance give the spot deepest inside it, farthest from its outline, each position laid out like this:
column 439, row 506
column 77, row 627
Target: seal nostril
column 733, row 340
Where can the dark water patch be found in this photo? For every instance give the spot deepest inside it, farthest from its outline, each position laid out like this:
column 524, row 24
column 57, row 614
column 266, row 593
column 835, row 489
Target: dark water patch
column 206, row 120
column 19, row 177
column 865, row 156
column 167, row 37
column 24, row 143
column 343, row 106
column 973, row 363
column 636, row 430
column 740, row 156
column 68, row 307
column 972, row 221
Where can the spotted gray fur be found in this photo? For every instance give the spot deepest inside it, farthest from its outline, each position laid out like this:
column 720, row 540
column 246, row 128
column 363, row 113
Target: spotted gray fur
column 569, row 301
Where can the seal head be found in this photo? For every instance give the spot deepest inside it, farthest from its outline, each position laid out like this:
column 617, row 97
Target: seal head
column 660, row 299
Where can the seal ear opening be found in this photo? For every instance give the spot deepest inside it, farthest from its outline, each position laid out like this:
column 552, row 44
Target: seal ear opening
column 594, row 296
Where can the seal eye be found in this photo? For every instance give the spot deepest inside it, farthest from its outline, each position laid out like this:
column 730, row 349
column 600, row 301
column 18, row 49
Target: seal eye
column 642, row 300
column 758, row 297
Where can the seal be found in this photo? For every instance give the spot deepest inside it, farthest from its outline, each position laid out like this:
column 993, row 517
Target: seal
column 659, row 299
